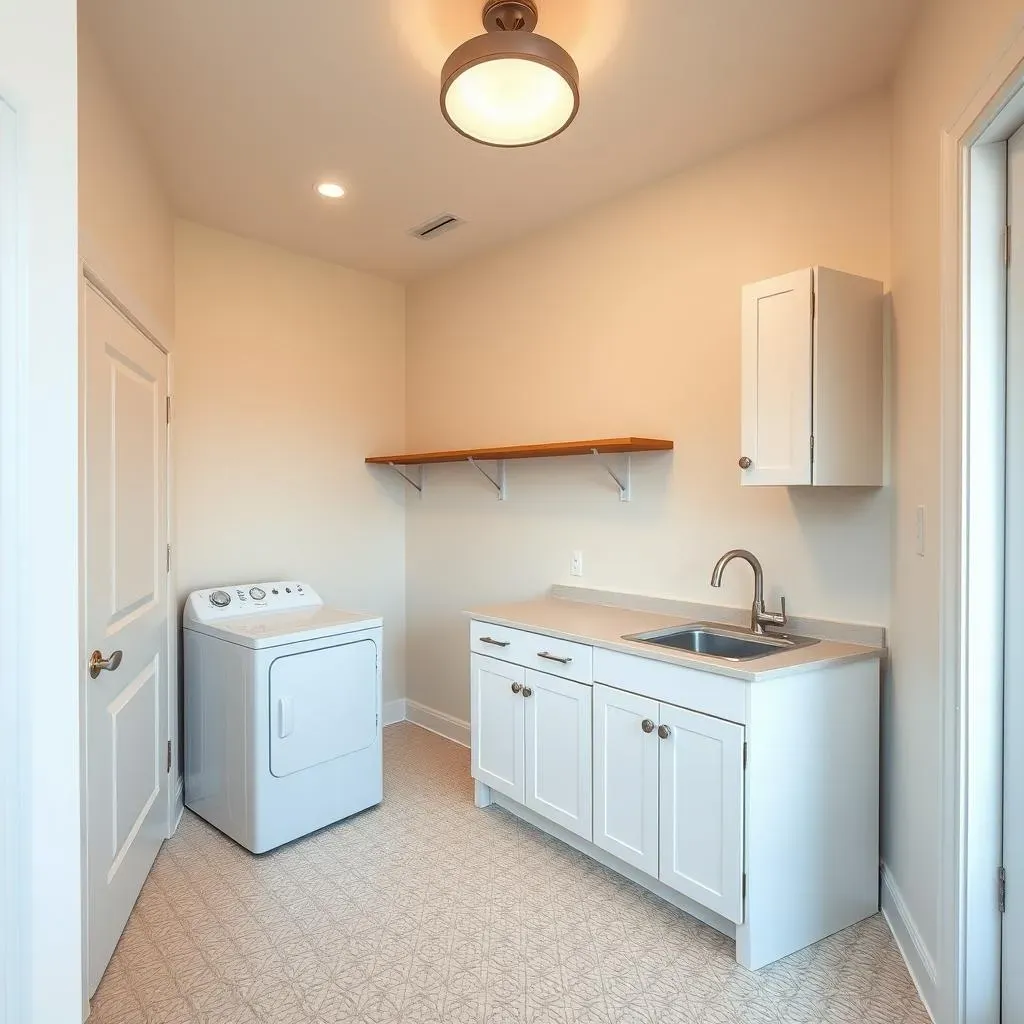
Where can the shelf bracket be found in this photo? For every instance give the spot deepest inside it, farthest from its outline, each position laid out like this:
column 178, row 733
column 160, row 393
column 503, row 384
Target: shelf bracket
column 408, row 479
column 497, row 482
column 625, row 482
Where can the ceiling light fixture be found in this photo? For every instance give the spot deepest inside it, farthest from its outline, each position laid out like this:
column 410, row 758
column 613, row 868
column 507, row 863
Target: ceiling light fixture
column 510, row 87
column 330, row 190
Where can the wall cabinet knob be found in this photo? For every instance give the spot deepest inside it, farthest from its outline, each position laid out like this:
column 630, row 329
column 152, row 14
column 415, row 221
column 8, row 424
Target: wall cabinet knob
column 527, row 692
column 745, row 463
column 647, row 725
column 516, row 687
column 663, row 731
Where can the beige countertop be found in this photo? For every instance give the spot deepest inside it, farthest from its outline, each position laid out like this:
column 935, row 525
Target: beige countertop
column 604, row 626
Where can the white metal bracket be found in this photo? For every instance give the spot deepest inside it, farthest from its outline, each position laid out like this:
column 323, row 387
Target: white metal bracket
column 497, row 482
column 625, row 482
column 408, row 479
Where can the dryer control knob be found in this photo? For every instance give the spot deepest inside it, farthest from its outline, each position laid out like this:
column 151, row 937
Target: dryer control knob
column 220, row 599
column 257, row 594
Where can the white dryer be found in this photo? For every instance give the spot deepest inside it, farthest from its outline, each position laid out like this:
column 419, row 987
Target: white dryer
column 282, row 711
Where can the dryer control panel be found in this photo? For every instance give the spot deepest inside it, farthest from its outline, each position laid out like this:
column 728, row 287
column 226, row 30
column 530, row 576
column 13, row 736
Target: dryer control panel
column 251, row 599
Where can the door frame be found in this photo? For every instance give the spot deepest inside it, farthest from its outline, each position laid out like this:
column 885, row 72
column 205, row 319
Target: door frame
column 966, row 981
column 114, row 291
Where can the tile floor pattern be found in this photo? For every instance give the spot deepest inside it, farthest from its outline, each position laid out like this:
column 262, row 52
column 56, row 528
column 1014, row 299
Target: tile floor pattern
column 428, row 909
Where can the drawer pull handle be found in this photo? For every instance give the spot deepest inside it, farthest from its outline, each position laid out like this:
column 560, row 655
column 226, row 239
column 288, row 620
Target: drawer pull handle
column 647, row 725
column 516, row 687
column 663, row 731
column 496, row 643
column 554, row 657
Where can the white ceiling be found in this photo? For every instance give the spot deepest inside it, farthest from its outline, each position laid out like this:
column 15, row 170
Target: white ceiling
column 247, row 103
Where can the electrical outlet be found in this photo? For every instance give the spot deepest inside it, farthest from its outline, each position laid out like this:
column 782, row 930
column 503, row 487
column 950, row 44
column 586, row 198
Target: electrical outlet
column 576, row 566
column 919, row 526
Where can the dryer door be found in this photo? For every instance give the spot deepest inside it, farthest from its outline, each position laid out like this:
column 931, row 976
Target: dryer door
column 323, row 705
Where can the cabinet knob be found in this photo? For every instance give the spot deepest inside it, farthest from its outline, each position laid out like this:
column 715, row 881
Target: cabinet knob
column 745, row 463
column 527, row 692
column 647, row 725
column 516, row 687
column 663, row 731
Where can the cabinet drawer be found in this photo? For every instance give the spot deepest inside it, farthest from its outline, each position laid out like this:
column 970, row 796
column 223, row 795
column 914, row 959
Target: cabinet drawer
column 533, row 650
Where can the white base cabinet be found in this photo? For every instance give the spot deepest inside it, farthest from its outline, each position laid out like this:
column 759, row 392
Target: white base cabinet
column 752, row 805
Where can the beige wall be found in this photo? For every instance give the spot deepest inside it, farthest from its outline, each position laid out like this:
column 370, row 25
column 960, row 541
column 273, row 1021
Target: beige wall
column 126, row 223
column 946, row 61
column 288, row 372
column 626, row 321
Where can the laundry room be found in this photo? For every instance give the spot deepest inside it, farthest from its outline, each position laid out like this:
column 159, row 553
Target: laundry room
column 510, row 569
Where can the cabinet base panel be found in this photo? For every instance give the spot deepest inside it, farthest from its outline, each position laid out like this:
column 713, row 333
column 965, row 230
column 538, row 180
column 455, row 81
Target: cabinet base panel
column 708, row 917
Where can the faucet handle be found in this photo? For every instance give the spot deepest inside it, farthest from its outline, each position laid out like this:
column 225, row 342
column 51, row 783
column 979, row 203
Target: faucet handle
column 766, row 618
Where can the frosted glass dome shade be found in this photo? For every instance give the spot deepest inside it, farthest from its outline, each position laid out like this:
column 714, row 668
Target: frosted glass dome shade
column 510, row 89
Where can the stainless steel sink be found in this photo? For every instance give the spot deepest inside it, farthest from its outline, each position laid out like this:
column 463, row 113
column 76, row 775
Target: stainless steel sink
column 726, row 643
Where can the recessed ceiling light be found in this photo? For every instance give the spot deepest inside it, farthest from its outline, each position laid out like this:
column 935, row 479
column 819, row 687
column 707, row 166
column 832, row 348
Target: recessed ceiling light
column 510, row 87
column 330, row 190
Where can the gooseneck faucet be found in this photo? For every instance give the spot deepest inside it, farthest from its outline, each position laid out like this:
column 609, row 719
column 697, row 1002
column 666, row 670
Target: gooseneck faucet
column 759, row 618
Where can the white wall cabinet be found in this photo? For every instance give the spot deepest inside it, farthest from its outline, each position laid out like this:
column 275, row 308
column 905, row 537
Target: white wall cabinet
column 812, row 385
column 559, row 769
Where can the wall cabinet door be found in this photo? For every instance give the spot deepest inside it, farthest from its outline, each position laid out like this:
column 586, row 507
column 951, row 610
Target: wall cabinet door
column 777, row 354
column 559, row 751
column 626, row 777
column 499, row 725
column 701, row 848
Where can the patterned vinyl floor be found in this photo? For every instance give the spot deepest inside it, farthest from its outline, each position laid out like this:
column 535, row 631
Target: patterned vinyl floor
column 427, row 909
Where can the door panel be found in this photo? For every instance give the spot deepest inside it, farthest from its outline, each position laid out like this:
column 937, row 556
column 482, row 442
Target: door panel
column 124, row 470
column 626, row 777
column 323, row 705
column 499, row 725
column 558, row 751
column 776, row 379
column 1013, row 673
column 702, row 810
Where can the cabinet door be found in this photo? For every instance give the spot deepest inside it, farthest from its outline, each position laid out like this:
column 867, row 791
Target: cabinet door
column 559, row 752
column 498, row 725
column 776, row 358
column 702, row 809
column 626, row 777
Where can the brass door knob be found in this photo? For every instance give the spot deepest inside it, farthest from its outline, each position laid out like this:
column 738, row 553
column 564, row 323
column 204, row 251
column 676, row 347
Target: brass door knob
column 516, row 687
column 647, row 725
column 527, row 692
column 663, row 731
column 98, row 664
column 745, row 463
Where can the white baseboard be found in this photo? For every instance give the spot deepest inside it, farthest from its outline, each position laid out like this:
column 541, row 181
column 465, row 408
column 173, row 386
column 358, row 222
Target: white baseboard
column 448, row 726
column 394, row 711
column 920, row 962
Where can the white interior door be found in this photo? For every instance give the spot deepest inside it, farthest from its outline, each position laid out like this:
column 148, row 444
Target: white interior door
column 776, row 371
column 1013, row 674
column 499, row 725
column 702, row 809
column 558, row 751
column 626, row 777
column 125, row 480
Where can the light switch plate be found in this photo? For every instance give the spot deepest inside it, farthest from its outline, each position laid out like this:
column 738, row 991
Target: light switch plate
column 576, row 565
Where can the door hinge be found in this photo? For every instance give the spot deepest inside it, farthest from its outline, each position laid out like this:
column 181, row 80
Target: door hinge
column 168, row 756
column 744, row 888
column 744, row 755
column 168, row 408
column 1001, row 888
column 1006, row 245
column 812, row 447
column 168, row 557
column 814, row 301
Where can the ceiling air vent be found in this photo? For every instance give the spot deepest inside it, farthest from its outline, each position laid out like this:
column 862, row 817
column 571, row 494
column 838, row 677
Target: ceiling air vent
column 436, row 226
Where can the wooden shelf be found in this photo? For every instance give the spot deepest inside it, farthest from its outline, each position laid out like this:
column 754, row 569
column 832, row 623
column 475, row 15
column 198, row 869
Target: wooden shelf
column 603, row 446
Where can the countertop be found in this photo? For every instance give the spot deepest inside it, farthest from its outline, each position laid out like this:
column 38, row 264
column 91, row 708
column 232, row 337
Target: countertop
column 604, row 626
